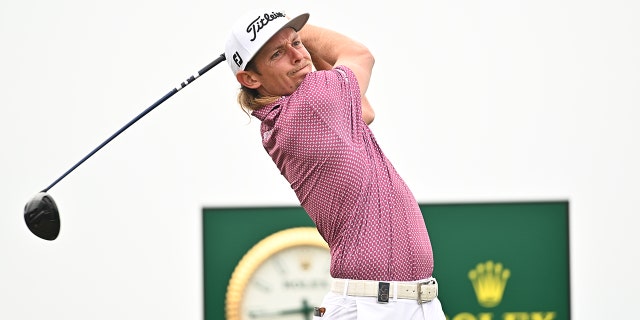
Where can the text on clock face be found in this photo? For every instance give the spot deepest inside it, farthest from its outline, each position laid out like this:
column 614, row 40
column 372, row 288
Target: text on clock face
column 306, row 284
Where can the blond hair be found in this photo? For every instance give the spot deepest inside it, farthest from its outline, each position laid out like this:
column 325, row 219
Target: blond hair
column 250, row 100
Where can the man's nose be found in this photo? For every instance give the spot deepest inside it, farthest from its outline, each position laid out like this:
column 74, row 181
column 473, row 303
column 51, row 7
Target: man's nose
column 294, row 52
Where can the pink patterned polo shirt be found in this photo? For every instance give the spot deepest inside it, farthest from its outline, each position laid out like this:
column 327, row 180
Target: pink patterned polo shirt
column 359, row 203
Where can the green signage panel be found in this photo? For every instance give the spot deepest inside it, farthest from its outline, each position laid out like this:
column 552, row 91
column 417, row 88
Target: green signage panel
column 507, row 261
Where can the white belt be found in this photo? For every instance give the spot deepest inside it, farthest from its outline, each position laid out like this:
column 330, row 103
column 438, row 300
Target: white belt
column 421, row 291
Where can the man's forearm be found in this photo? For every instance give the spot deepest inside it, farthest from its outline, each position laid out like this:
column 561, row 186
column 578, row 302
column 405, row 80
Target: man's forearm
column 327, row 46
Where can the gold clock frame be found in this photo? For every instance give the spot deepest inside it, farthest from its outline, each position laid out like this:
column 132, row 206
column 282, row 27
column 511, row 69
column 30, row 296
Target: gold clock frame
column 261, row 251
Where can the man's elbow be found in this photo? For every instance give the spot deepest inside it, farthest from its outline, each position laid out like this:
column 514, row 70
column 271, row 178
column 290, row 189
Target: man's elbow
column 367, row 111
column 368, row 116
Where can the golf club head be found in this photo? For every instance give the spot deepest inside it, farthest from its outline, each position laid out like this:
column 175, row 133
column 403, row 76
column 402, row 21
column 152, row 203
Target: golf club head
column 42, row 217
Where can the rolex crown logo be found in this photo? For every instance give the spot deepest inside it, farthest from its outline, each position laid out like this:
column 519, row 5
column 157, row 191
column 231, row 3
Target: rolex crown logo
column 489, row 280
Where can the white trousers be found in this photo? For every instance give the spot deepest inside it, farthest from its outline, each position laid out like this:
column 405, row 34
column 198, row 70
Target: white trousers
column 341, row 307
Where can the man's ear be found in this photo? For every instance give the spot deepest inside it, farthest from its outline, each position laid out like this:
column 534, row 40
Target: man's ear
column 248, row 79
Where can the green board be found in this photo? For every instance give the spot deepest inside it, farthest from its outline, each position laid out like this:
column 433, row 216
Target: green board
column 507, row 261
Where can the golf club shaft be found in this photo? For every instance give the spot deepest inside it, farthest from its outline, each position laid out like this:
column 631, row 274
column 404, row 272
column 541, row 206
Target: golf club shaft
column 134, row 120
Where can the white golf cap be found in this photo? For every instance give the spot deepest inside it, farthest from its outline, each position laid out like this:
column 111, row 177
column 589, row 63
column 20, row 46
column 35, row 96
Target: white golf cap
column 252, row 31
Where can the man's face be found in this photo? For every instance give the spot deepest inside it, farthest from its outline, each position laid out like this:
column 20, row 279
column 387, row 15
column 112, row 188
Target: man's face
column 282, row 63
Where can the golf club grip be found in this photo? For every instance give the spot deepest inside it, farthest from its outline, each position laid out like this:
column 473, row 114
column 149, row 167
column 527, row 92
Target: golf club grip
column 138, row 117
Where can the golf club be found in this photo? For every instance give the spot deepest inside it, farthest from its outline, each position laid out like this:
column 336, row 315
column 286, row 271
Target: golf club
column 41, row 213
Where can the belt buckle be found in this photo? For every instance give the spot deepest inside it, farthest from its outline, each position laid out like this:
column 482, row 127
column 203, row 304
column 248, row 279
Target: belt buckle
column 383, row 292
column 431, row 291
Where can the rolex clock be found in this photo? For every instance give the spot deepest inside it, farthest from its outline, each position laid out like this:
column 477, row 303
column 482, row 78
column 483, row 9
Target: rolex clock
column 284, row 276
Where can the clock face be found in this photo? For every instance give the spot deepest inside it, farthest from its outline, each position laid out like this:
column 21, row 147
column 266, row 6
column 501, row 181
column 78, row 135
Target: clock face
column 284, row 276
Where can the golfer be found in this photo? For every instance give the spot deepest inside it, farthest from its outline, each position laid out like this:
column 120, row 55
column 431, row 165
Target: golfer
column 307, row 86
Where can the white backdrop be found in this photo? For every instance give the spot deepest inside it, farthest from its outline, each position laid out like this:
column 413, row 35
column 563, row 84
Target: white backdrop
column 490, row 100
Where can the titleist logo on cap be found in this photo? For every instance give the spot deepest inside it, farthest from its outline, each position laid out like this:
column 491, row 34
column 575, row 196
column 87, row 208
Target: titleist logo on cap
column 261, row 21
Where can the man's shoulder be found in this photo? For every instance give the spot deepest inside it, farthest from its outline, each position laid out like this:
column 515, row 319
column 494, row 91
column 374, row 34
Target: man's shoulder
column 326, row 77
